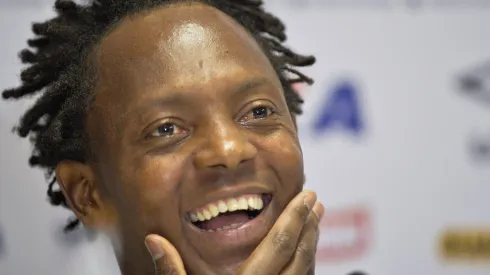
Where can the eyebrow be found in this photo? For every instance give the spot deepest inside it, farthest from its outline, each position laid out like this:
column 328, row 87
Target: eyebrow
column 176, row 98
column 251, row 84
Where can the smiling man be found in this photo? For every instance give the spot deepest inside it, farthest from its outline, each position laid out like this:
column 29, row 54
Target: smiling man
column 172, row 124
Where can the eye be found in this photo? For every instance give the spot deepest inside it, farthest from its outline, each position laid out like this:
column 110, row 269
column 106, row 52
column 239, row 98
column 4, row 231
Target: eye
column 259, row 112
column 167, row 130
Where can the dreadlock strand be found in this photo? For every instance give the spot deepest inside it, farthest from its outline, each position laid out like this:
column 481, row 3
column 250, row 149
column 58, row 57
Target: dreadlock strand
column 34, row 161
column 45, row 28
column 260, row 20
column 299, row 61
column 67, row 7
column 299, row 74
column 72, row 224
column 27, row 56
column 26, row 89
column 39, row 42
column 38, row 128
column 48, row 104
column 60, row 28
column 295, row 81
column 291, row 57
column 252, row 3
column 56, row 196
column 35, row 73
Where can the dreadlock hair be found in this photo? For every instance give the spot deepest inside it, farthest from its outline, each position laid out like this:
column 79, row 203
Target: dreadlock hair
column 59, row 72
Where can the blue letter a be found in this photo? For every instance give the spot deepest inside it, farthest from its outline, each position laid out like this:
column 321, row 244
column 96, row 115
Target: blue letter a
column 341, row 108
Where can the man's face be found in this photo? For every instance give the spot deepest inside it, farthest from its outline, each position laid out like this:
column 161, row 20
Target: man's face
column 189, row 114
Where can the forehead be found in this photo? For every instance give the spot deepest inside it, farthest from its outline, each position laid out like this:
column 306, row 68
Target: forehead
column 177, row 44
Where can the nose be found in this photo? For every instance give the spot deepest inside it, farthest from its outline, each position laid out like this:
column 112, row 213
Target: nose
column 225, row 145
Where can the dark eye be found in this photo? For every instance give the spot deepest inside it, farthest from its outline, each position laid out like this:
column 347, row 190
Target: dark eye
column 259, row 112
column 167, row 129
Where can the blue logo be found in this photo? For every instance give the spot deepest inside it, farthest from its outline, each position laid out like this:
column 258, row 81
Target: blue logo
column 340, row 110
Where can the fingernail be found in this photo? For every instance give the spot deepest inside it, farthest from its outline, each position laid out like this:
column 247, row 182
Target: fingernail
column 318, row 210
column 154, row 248
column 309, row 200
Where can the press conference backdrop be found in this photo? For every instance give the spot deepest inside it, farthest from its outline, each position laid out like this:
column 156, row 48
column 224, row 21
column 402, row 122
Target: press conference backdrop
column 396, row 139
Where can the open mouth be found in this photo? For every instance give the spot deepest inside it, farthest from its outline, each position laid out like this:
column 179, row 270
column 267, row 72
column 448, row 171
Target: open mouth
column 229, row 213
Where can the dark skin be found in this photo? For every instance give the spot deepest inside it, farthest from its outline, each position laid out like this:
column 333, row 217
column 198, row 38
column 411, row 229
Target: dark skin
column 189, row 110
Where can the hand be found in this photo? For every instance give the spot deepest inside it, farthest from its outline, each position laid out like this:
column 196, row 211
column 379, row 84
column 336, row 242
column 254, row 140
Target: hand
column 165, row 256
column 290, row 246
column 288, row 249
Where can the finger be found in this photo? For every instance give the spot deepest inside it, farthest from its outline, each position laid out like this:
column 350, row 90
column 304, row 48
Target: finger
column 166, row 258
column 304, row 256
column 278, row 247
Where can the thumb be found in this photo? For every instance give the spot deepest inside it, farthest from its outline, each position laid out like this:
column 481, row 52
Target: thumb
column 166, row 258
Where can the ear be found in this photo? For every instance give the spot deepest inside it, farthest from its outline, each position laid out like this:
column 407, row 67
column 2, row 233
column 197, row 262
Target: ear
column 77, row 183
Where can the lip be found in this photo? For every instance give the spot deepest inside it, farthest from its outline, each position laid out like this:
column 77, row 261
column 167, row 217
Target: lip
column 226, row 194
column 234, row 241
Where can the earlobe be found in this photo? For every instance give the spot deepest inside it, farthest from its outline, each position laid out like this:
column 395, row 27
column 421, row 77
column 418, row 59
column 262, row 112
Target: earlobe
column 76, row 181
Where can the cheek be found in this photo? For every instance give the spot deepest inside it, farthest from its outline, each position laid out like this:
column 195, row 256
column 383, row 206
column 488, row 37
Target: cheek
column 154, row 189
column 283, row 153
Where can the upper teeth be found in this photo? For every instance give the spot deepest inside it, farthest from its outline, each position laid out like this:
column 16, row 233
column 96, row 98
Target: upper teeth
column 246, row 202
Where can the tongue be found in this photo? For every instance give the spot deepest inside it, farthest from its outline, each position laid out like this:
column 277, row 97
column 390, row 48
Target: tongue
column 226, row 219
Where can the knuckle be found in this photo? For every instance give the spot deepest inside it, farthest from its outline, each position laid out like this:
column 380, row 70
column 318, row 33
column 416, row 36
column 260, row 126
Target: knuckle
column 302, row 212
column 283, row 243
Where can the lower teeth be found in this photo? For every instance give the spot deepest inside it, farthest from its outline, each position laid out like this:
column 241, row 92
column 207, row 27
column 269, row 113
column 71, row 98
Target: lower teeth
column 226, row 227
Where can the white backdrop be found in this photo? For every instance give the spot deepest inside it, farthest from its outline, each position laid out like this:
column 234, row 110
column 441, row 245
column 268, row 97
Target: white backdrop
column 394, row 176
